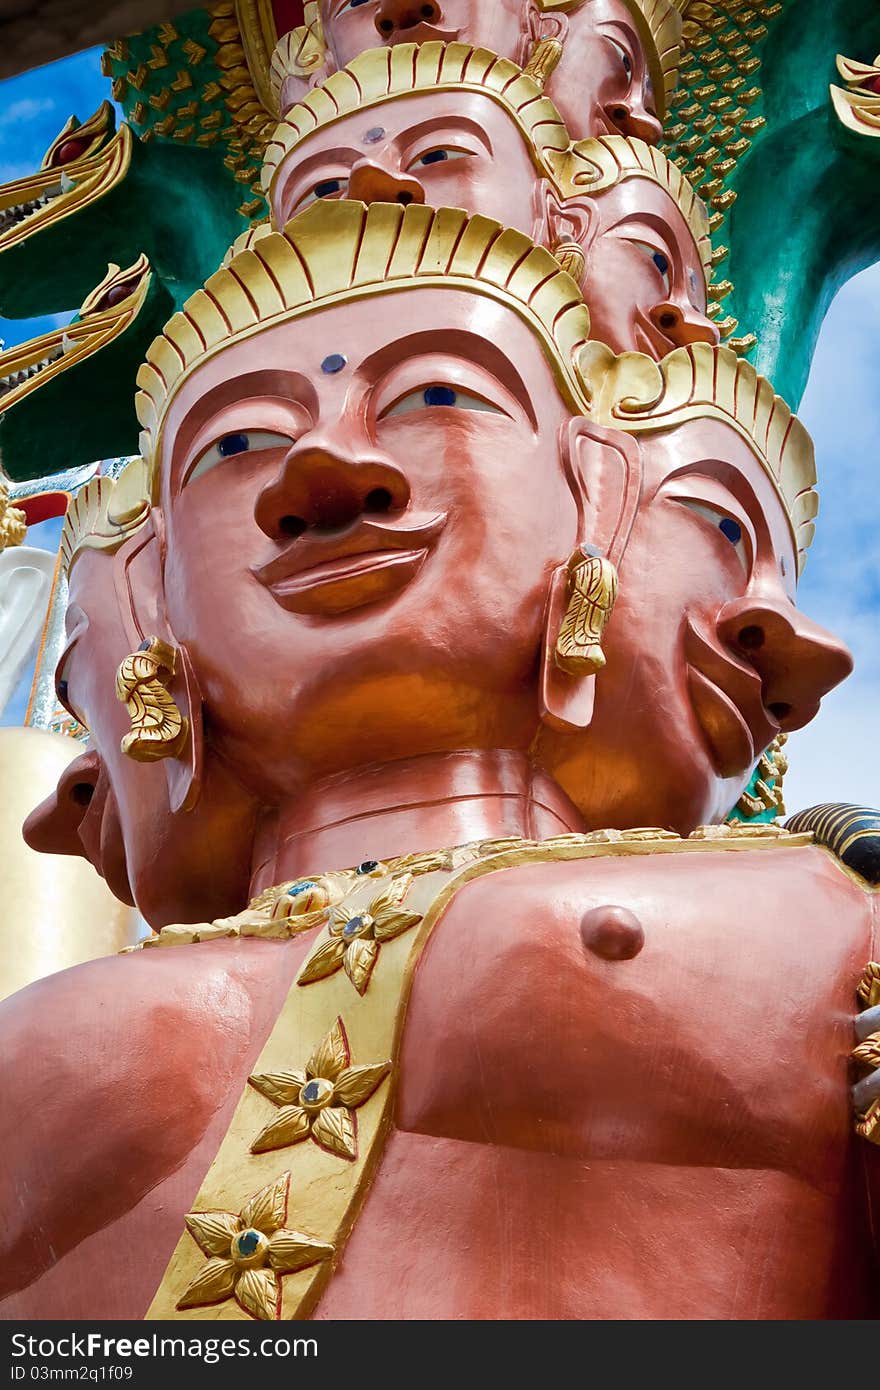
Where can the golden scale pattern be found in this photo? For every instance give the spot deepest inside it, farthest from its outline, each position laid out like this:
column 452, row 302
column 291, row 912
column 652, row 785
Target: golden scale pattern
column 713, row 117
column 190, row 101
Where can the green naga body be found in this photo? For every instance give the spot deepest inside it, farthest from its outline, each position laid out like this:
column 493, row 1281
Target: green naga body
column 107, row 218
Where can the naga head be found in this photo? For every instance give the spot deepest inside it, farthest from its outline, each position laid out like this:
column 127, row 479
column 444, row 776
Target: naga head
column 48, row 249
column 65, row 396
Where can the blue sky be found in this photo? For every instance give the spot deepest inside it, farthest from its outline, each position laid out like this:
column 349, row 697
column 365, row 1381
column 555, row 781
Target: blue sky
column 837, row 757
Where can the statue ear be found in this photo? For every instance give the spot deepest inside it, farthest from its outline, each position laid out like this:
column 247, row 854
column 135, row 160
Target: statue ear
column 603, row 468
column 300, row 61
column 141, row 598
column 544, row 34
column 567, row 227
column 545, row 24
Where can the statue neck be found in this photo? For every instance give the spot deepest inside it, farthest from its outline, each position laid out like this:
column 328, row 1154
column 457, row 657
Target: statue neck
column 389, row 809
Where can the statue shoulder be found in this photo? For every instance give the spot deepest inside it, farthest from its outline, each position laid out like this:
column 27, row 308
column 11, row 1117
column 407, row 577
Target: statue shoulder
column 117, row 1066
column 851, row 833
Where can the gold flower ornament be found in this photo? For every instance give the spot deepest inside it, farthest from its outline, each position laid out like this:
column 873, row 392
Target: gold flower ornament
column 249, row 1253
column 319, row 1103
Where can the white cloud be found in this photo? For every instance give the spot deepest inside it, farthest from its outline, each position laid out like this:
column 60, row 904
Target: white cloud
column 837, row 758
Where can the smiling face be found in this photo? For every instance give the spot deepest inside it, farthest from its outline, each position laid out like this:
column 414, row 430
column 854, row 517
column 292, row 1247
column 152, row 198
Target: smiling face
column 707, row 656
column 367, row 532
column 351, row 26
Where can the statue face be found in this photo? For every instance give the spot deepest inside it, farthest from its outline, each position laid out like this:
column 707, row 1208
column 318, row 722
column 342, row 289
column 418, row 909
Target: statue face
column 114, row 811
column 602, row 84
column 443, row 148
column 707, row 655
column 351, row 26
column 643, row 282
column 363, row 510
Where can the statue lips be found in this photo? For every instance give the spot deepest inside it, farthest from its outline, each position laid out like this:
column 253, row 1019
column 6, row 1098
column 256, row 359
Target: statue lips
column 368, row 562
column 727, row 701
column 100, row 834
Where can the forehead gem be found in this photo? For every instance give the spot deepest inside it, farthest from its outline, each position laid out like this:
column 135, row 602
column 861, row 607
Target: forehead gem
column 374, row 135
column 333, row 364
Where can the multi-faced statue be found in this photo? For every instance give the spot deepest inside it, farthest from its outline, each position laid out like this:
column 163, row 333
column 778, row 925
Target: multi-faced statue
column 425, row 545
column 439, row 124
column 609, row 65
column 349, row 509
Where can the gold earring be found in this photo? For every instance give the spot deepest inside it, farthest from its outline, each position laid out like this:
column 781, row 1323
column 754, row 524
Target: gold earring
column 592, row 590
column 543, row 61
column 158, row 729
column 571, row 259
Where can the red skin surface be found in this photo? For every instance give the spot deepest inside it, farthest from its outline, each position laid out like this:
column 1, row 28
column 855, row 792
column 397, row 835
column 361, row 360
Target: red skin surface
column 596, row 1138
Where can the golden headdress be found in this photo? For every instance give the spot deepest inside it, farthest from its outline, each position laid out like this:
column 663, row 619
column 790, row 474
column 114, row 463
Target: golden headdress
column 407, row 68
column 106, row 512
column 337, row 251
column 633, row 393
column 586, row 166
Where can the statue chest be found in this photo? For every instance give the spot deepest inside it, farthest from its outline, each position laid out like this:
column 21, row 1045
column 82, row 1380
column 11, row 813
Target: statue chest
column 687, row 1008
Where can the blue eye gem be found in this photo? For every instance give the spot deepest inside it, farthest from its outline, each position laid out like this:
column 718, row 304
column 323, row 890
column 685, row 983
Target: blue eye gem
column 327, row 188
column 434, row 157
column 661, row 262
column 440, row 395
column 296, row 888
column 369, row 866
column 374, row 135
column 355, row 4
column 233, row 444
column 247, row 1243
column 62, row 692
column 731, row 529
column 333, row 364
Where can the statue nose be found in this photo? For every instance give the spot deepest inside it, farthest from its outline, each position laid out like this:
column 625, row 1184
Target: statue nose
column 370, row 183
column 321, row 488
column 683, row 326
column 631, row 118
column 395, row 15
column 797, row 660
column 53, row 826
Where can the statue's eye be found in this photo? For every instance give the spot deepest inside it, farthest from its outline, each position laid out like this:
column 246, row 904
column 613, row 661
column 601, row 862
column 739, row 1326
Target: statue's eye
column 442, row 155
column 625, row 59
column 352, row 5
column 433, row 396
column 660, row 261
column 728, row 526
column 235, row 445
column 327, row 188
